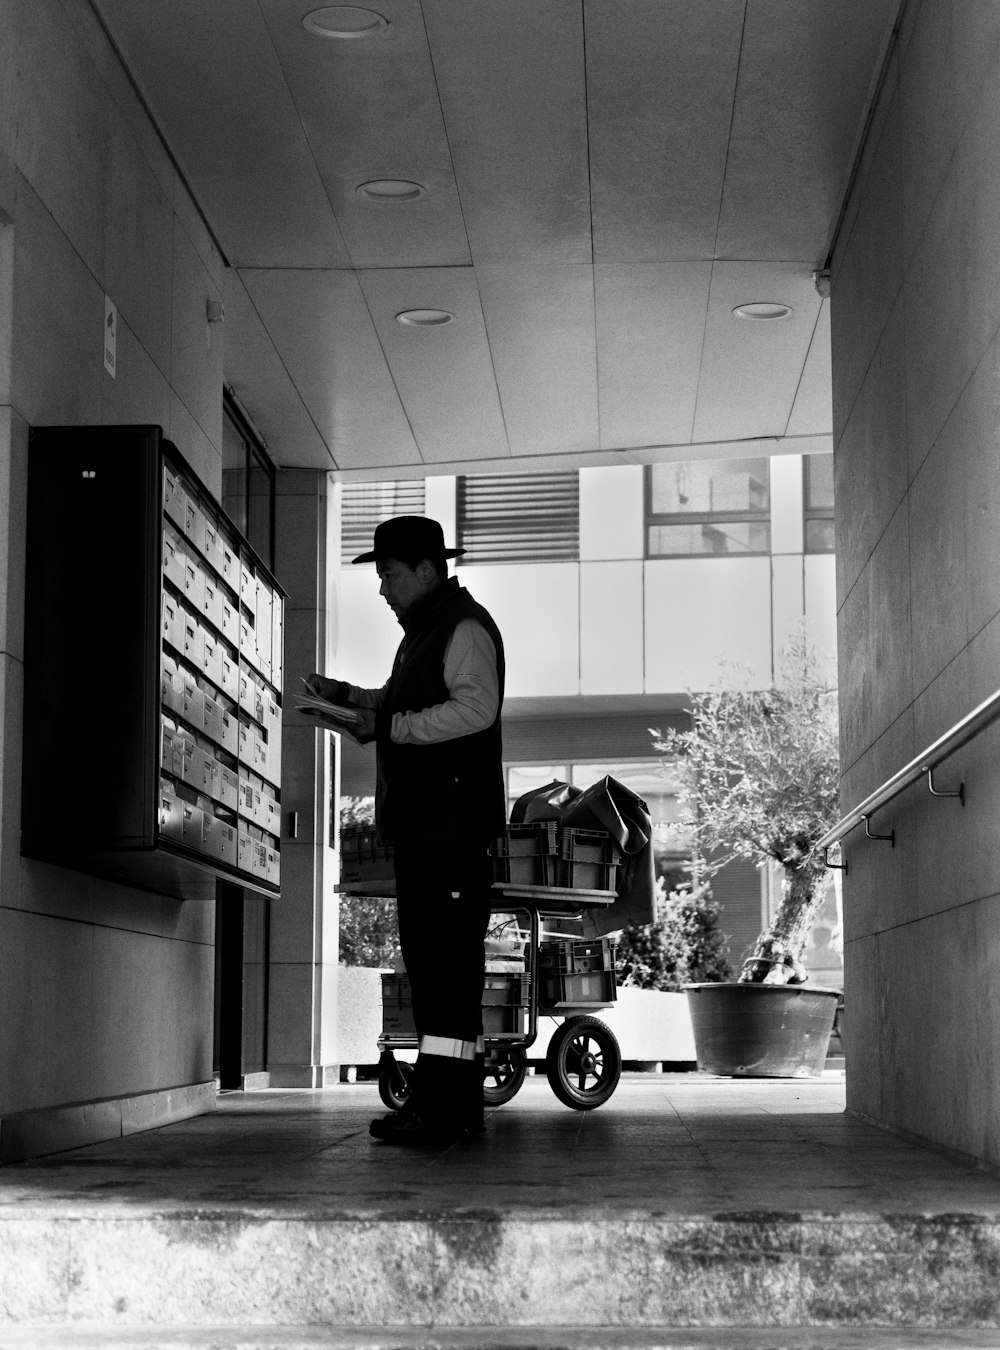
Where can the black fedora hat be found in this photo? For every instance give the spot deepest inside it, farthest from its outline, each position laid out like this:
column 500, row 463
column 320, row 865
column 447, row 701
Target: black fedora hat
column 410, row 539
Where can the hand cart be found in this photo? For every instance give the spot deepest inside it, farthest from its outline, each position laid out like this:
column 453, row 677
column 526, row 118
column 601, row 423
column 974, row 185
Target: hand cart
column 583, row 1062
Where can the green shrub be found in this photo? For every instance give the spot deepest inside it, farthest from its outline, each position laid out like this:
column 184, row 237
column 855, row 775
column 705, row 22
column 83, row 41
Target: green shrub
column 369, row 934
column 684, row 945
column 357, row 811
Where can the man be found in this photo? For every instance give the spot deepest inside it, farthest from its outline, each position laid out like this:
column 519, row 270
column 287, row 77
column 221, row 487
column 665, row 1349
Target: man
column 439, row 801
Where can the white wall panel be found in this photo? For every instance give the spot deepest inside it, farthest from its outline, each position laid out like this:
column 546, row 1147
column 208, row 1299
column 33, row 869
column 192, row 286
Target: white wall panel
column 440, row 497
column 537, row 609
column 821, row 605
column 611, row 513
column 787, row 599
column 786, row 504
column 611, row 636
column 699, row 611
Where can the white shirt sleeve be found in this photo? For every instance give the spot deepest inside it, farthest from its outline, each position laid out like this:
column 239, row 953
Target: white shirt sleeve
column 366, row 698
column 470, row 673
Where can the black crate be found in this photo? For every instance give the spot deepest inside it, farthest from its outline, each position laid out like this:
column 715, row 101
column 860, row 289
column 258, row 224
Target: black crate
column 505, row 988
column 588, row 860
column 596, row 988
column 504, row 1021
column 397, row 1006
column 576, row 956
column 505, row 1000
column 362, row 857
column 527, row 855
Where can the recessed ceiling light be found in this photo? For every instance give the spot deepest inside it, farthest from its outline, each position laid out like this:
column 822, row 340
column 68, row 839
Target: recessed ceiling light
column 424, row 318
column 763, row 309
column 391, row 190
column 345, row 22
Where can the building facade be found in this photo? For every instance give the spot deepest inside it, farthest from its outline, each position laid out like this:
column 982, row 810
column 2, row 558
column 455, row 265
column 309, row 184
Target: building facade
column 665, row 575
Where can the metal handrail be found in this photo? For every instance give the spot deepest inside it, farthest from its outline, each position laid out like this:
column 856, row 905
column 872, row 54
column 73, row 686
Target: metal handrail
column 922, row 766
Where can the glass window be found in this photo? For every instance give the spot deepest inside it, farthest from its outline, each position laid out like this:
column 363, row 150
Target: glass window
column 711, row 508
column 247, row 482
column 818, row 503
column 522, row 778
column 655, row 782
column 234, row 471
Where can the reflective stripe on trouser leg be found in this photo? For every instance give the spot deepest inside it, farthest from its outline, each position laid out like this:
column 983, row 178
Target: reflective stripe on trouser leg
column 447, row 1048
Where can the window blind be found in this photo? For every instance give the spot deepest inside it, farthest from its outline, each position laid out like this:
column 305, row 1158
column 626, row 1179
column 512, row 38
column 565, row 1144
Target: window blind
column 365, row 505
column 519, row 517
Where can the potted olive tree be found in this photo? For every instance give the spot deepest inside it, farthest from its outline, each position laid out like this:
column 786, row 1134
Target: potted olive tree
column 760, row 781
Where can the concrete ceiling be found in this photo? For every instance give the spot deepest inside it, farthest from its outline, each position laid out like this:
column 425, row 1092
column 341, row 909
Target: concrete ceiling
column 605, row 180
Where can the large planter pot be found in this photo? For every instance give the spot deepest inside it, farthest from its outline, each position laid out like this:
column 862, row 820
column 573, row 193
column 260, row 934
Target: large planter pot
column 762, row 1030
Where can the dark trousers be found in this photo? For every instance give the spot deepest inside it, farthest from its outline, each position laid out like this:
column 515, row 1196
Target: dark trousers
column 443, row 903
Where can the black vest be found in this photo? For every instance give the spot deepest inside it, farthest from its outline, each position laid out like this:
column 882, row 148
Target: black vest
column 451, row 788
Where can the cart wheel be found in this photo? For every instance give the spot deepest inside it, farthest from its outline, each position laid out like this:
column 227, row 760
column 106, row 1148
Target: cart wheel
column 505, row 1073
column 583, row 1063
column 394, row 1081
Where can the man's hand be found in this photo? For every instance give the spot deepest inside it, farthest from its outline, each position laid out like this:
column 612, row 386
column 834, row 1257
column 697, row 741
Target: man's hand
column 334, row 691
column 363, row 730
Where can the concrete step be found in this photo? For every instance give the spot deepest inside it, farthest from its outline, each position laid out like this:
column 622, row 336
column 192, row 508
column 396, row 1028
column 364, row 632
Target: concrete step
column 499, row 1338
column 484, row 1268
column 278, row 1216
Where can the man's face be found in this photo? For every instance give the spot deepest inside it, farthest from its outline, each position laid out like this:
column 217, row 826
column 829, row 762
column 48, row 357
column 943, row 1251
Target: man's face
column 402, row 585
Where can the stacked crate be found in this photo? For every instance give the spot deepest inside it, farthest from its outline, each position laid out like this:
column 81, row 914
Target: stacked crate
column 527, row 855
column 547, row 853
column 588, row 860
column 505, row 1003
column 506, row 997
column 576, row 971
column 362, row 857
column 397, row 1006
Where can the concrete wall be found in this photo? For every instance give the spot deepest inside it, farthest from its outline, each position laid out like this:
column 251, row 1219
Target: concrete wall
column 916, row 361
column 105, row 992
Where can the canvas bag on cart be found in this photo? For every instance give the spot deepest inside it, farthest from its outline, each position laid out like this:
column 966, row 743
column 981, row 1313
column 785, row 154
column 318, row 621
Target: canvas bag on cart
column 611, row 806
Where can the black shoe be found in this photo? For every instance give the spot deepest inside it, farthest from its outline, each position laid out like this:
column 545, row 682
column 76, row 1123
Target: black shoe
column 409, row 1128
